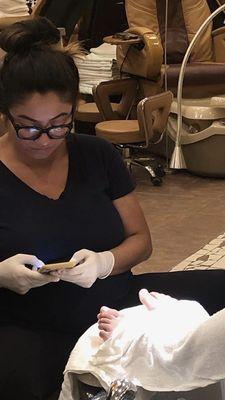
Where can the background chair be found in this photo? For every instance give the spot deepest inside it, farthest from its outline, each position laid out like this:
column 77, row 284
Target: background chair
column 122, row 90
column 205, row 74
column 130, row 135
column 88, row 113
column 143, row 57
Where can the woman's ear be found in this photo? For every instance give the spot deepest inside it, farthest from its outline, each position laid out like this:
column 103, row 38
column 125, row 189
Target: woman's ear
column 2, row 55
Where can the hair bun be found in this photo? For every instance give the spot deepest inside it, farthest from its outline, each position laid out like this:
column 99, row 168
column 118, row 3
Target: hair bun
column 32, row 33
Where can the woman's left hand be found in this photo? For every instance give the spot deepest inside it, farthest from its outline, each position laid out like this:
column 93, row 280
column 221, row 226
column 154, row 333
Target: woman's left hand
column 91, row 265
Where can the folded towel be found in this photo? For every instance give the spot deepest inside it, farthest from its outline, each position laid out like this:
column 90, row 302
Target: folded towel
column 86, row 69
column 101, row 57
column 104, row 49
column 95, row 63
column 92, row 73
column 98, row 66
column 175, row 347
column 87, row 87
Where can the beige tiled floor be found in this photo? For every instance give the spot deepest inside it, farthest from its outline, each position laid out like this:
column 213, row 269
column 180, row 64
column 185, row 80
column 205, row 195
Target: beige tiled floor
column 184, row 214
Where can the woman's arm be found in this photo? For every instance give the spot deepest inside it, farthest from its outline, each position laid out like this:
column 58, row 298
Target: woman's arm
column 137, row 246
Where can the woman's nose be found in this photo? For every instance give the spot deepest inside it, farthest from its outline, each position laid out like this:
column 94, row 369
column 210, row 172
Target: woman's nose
column 43, row 139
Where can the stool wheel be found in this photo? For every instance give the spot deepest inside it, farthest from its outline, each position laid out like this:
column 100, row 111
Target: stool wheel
column 156, row 180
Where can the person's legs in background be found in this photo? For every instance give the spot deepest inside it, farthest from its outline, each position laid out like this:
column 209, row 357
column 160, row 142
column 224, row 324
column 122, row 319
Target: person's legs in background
column 66, row 13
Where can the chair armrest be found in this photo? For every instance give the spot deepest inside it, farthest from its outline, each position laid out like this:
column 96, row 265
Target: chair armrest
column 218, row 37
column 126, row 88
column 142, row 60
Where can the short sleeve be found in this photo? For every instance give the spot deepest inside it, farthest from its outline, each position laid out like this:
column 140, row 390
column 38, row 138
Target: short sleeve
column 119, row 179
column 100, row 163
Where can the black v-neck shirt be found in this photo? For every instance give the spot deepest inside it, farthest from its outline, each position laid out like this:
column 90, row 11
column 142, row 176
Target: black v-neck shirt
column 82, row 217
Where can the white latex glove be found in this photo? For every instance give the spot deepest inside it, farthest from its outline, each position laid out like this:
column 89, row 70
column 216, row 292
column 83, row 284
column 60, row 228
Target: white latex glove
column 92, row 266
column 20, row 279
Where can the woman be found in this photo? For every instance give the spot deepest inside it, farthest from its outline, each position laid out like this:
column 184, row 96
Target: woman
column 62, row 196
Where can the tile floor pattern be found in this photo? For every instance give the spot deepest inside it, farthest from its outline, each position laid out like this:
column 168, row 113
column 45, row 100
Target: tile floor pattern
column 184, row 215
column 211, row 256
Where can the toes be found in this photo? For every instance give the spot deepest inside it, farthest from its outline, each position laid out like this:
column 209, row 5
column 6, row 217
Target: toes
column 147, row 299
column 104, row 309
column 104, row 335
column 155, row 294
column 155, row 300
column 163, row 298
column 144, row 292
column 104, row 324
column 108, row 319
column 109, row 313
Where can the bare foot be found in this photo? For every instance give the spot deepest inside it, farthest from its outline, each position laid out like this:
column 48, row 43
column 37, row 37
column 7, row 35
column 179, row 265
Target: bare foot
column 149, row 300
column 153, row 300
column 108, row 319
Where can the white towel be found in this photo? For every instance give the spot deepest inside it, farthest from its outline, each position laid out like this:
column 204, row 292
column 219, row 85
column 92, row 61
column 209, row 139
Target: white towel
column 176, row 347
column 94, row 63
column 100, row 57
column 104, row 49
column 92, row 73
column 87, row 87
column 97, row 66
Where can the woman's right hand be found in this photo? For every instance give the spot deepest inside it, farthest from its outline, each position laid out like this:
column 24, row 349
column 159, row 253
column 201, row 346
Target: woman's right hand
column 14, row 275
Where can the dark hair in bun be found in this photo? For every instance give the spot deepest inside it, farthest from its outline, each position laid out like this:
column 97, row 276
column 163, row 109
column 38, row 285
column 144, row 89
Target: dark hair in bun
column 35, row 62
column 25, row 35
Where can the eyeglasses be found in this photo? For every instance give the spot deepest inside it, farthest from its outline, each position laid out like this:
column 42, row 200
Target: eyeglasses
column 27, row 132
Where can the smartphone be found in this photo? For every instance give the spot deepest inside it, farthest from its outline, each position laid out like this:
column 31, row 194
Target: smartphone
column 125, row 36
column 56, row 267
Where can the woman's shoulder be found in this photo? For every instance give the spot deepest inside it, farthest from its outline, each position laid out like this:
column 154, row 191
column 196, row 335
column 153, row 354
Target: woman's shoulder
column 99, row 158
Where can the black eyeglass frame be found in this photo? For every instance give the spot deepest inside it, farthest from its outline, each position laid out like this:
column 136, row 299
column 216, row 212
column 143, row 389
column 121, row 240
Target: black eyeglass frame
column 17, row 128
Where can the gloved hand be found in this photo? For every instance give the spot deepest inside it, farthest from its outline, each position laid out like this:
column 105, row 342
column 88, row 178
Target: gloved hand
column 20, row 279
column 92, row 266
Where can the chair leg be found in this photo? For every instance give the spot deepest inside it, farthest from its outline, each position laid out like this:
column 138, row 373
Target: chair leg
column 128, row 165
column 155, row 175
column 156, row 180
